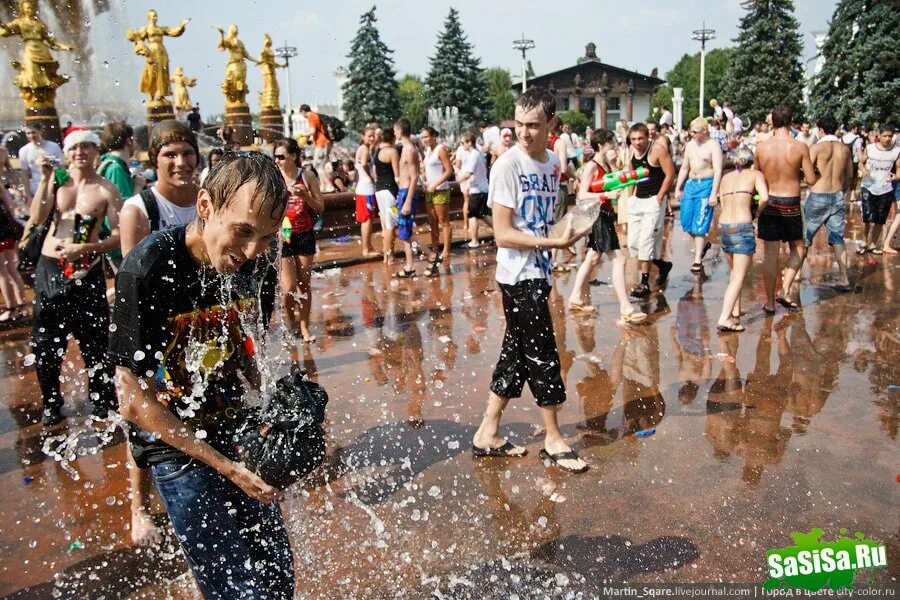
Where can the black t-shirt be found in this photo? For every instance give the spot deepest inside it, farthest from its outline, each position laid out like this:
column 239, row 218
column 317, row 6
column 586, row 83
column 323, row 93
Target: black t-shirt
column 194, row 121
column 189, row 330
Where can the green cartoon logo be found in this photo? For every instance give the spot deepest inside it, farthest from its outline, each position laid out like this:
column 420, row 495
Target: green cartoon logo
column 812, row 564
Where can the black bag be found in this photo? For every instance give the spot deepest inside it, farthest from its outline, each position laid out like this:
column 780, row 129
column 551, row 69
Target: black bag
column 285, row 441
column 333, row 128
column 30, row 247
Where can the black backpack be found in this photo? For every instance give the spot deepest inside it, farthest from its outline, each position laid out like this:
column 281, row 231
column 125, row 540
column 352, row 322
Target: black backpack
column 333, row 128
column 152, row 208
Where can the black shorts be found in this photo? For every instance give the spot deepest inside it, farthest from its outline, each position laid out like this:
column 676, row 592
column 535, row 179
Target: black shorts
column 876, row 207
column 529, row 348
column 478, row 207
column 301, row 244
column 781, row 220
column 603, row 237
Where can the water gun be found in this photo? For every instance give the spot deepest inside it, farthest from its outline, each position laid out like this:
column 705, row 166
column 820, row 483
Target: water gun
column 619, row 179
column 286, row 230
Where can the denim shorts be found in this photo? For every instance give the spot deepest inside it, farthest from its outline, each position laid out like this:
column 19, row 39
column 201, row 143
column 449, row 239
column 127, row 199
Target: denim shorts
column 828, row 210
column 738, row 238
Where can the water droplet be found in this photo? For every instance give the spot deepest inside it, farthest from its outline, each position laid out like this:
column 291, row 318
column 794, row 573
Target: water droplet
column 139, row 355
column 29, row 360
column 200, row 434
column 112, row 327
column 110, row 500
column 116, row 82
column 87, row 22
column 106, row 64
column 32, row 544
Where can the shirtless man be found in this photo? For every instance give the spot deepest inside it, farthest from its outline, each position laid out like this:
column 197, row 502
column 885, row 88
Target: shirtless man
column 408, row 196
column 825, row 202
column 70, row 291
column 783, row 160
column 561, row 147
column 702, row 168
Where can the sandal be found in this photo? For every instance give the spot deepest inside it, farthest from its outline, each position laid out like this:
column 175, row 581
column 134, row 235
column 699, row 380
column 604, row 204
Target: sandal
column 554, row 459
column 876, row 251
column 433, row 269
column 578, row 306
column 405, row 274
column 862, row 250
column 504, row 451
column 731, row 328
column 769, row 311
column 696, row 268
column 788, row 304
column 635, row 316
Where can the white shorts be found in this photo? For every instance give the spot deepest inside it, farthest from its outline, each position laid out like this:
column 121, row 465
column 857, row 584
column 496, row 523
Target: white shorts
column 646, row 219
column 386, row 204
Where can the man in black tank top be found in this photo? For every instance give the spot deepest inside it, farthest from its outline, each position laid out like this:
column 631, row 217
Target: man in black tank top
column 646, row 210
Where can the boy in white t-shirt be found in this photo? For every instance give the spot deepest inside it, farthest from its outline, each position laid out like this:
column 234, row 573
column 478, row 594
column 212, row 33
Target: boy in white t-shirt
column 473, row 175
column 524, row 185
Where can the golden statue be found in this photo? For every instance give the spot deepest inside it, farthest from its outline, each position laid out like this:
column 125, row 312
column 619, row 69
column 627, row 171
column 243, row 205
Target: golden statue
column 268, row 97
column 148, row 42
column 235, row 85
column 37, row 79
column 182, row 100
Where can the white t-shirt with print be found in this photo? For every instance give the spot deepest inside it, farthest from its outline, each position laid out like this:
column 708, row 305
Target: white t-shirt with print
column 491, row 136
column 170, row 215
column 473, row 162
column 879, row 164
column 531, row 189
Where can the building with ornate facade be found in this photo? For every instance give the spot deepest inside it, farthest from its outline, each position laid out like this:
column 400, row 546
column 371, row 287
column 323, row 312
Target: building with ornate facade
column 606, row 94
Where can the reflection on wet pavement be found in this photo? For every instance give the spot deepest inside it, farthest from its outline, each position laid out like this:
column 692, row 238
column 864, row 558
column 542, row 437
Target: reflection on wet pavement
column 705, row 450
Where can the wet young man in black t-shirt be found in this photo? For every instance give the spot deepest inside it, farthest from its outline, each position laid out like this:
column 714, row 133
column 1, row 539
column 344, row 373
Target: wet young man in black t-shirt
column 190, row 304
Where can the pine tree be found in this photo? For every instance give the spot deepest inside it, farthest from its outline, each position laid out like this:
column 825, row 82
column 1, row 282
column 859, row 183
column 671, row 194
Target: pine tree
column 860, row 80
column 501, row 99
column 766, row 69
column 370, row 92
column 456, row 77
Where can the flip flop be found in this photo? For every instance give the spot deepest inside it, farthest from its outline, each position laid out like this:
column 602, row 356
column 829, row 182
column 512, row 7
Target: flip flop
column 555, row 458
column 769, row 311
column 862, row 250
column 504, row 451
column 577, row 306
column 731, row 328
column 877, row 251
column 696, row 268
column 404, row 274
column 787, row 304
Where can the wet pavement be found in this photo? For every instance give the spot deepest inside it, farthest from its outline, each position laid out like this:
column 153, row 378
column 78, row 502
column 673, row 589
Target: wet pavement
column 742, row 439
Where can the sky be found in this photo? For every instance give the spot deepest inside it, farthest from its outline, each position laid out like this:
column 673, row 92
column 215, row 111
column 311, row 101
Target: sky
column 637, row 36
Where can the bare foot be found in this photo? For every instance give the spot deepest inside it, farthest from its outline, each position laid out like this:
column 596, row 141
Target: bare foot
column 889, row 250
column 144, row 531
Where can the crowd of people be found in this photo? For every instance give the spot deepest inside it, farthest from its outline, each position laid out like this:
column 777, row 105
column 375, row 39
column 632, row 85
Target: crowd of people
column 194, row 256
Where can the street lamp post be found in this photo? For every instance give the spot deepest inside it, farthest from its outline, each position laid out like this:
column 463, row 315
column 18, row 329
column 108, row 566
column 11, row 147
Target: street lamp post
column 287, row 53
column 703, row 35
column 523, row 45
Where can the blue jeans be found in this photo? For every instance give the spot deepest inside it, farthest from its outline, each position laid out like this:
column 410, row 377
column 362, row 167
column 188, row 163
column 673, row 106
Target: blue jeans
column 828, row 210
column 237, row 547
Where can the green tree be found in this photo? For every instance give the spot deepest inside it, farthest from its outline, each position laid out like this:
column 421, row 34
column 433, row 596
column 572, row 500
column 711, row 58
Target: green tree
column 370, row 92
column 502, row 101
column 686, row 75
column 860, row 80
column 412, row 100
column 456, row 77
column 577, row 119
column 766, row 69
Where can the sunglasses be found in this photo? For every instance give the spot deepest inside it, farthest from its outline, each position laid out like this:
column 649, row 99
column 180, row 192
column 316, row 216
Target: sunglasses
column 280, row 157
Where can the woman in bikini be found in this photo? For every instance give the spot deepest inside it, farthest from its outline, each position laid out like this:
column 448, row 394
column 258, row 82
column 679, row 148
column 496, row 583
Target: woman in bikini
column 736, row 234
column 603, row 238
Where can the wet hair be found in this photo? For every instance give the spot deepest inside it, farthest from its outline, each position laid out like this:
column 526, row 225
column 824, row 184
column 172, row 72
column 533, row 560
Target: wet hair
column 601, row 137
column 742, row 156
column 115, row 135
column 887, row 127
column 781, row 117
column 305, row 108
column 169, row 132
column 239, row 168
column 827, row 123
column 469, row 137
column 404, row 125
column 538, row 97
column 388, row 136
column 290, row 145
column 483, row 124
column 639, row 128
column 431, row 131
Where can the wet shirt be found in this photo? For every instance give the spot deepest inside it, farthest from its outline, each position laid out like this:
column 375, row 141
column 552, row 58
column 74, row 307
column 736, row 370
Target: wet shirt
column 879, row 164
column 188, row 330
column 531, row 189
column 298, row 212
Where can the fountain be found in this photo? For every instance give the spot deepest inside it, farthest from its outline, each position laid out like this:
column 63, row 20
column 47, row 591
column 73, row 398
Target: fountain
column 100, row 73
